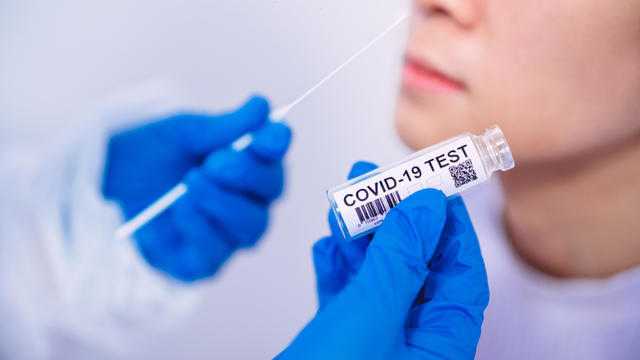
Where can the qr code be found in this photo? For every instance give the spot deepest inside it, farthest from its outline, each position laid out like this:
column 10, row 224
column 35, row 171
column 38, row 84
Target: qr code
column 463, row 173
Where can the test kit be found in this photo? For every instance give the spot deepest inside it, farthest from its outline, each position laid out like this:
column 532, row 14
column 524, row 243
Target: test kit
column 361, row 204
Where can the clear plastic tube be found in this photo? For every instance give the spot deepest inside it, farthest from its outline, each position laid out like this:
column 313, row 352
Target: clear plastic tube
column 361, row 204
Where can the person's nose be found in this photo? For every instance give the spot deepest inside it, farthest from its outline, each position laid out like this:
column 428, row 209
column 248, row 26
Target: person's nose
column 464, row 13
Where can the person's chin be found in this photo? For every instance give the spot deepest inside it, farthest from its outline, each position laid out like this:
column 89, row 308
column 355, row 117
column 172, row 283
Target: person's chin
column 416, row 128
column 423, row 122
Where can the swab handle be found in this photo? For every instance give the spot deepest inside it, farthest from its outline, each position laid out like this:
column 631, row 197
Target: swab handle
column 242, row 142
column 148, row 214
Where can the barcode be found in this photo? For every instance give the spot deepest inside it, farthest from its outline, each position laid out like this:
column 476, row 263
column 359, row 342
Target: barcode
column 379, row 206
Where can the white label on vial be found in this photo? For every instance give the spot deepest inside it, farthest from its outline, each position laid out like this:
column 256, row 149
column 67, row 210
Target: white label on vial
column 451, row 168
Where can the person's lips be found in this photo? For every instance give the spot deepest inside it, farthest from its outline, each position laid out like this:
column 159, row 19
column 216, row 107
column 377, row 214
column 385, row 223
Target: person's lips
column 423, row 78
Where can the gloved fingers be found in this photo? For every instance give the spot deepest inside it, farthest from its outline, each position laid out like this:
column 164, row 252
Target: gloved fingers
column 271, row 141
column 395, row 265
column 189, row 263
column 200, row 134
column 244, row 172
column 195, row 264
column 353, row 251
column 448, row 319
column 189, row 251
column 330, row 267
column 206, row 245
column 361, row 168
column 154, row 247
column 335, row 259
column 241, row 219
column 373, row 307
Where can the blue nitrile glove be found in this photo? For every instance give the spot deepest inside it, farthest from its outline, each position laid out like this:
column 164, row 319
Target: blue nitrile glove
column 229, row 192
column 416, row 289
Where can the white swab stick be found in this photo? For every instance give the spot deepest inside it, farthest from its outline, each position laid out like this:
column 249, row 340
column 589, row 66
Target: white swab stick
column 165, row 201
column 148, row 214
column 168, row 199
column 398, row 21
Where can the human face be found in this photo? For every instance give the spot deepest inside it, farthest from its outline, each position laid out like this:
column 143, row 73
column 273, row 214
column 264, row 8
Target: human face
column 561, row 77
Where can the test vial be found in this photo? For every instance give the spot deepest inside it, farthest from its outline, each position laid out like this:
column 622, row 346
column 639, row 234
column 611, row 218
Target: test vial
column 361, row 204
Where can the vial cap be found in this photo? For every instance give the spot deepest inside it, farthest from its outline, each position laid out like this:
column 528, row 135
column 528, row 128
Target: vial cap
column 500, row 147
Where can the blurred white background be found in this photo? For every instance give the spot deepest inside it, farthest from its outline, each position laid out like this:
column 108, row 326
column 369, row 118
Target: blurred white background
column 59, row 58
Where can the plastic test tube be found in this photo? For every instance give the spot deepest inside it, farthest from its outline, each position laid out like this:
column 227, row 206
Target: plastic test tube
column 361, row 204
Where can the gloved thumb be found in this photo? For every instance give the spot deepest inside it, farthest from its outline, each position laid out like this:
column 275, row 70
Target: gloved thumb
column 396, row 263
column 201, row 134
column 363, row 321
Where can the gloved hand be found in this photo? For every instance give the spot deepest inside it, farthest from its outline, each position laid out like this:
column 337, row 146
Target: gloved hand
column 415, row 289
column 226, row 207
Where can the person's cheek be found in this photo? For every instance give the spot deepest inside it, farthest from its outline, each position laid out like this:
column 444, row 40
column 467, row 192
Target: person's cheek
column 563, row 81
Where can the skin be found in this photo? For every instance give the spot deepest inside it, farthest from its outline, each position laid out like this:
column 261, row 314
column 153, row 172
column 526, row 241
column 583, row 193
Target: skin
column 562, row 79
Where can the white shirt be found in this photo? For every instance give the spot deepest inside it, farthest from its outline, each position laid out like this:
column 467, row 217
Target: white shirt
column 533, row 316
column 68, row 288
